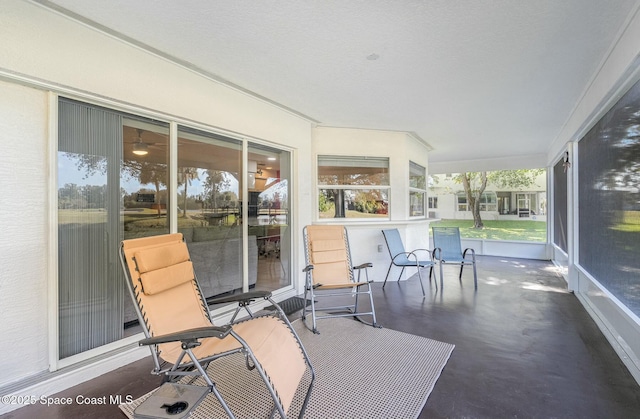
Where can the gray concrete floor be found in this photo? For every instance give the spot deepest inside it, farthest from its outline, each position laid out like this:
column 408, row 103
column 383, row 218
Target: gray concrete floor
column 525, row 348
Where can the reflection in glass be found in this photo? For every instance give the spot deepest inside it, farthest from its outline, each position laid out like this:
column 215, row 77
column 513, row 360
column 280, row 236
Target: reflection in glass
column 609, row 200
column 417, row 189
column 269, row 209
column 105, row 194
column 352, row 196
column 209, row 212
column 338, row 170
column 353, row 203
column 416, row 204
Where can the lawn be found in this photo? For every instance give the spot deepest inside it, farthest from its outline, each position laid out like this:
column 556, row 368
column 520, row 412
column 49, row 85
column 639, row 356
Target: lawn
column 500, row 230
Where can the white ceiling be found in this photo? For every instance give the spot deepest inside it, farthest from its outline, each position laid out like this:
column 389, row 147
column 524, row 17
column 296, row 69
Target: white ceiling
column 476, row 79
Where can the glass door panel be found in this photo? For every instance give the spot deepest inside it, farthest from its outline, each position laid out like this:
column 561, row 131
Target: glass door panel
column 269, row 209
column 100, row 186
column 209, row 212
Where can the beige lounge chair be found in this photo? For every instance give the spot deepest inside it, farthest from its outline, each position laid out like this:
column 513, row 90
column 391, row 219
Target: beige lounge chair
column 330, row 274
column 182, row 338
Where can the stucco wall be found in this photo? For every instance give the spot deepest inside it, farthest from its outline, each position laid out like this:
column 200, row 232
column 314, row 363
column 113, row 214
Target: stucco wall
column 23, row 217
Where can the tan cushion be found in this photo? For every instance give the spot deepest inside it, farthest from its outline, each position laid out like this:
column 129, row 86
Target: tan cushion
column 159, row 257
column 318, row 258
column 325, row 245
column 155, row 282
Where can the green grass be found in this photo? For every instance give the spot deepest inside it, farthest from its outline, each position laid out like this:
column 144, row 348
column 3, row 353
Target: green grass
column 500, row 230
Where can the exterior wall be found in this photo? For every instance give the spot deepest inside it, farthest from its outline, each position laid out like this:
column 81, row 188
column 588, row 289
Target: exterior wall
column 46, row 51
column 23, row 222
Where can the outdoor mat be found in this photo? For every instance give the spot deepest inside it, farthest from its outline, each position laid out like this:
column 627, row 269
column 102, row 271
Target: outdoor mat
column 361, row 372
column 291, row 305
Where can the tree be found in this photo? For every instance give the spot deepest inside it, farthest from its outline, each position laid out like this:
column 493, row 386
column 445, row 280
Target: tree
column 475, row 183
column 215, row 183
column 187, row 174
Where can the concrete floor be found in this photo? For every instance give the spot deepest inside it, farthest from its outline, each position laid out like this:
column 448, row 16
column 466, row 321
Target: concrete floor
column 525, row 348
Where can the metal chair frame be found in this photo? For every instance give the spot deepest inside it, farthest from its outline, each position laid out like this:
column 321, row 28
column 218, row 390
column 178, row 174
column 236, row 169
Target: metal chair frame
column 448, row 251
column 401, row 258
column 353, row 286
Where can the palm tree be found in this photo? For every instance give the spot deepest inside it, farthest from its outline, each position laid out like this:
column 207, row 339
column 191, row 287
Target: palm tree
column 187, row 175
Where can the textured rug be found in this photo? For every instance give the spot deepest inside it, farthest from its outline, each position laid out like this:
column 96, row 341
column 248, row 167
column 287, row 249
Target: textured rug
column 361, row 372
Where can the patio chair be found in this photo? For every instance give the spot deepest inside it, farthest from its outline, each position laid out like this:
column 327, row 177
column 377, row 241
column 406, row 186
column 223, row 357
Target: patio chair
column 418, row 258
column 447, row 249
column 330, row 275
column 180, row 333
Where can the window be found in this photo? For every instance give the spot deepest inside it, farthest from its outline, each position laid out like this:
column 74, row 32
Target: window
column 560, row 215
column 609, row 200
column 353, row 187
column 417, row 189
column 433, row 202
column 488, row 202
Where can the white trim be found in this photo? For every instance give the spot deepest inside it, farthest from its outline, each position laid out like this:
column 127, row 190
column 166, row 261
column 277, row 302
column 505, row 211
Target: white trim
column 52, row 245
column 173, row 177
column 245, row 216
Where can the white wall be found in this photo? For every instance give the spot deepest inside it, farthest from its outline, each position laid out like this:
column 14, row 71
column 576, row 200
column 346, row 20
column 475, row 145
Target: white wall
column 47, row 51
column 23, row 223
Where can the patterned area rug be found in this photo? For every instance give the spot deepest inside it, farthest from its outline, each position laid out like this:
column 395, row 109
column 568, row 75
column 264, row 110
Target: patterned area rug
column 361, row 372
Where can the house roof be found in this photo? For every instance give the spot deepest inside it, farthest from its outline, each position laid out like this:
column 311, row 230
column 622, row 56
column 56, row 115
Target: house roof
column 481, row 79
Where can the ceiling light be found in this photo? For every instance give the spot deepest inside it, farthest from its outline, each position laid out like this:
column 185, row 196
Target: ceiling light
column 271, row 158
column 140, row 149
column 373, row 57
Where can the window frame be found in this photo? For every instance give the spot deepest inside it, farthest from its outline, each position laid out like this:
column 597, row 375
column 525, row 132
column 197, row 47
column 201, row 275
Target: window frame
column 385, row 188
column 418, row 190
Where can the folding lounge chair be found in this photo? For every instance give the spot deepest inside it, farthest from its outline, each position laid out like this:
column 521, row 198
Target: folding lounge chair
column 181, row 336
column 418, row 258
column 330, row 274
column 448, row 250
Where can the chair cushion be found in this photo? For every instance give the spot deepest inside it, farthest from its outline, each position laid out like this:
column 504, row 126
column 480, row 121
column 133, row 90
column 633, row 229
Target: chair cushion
column 163, row 267
column 158, row 257
column 155, row 282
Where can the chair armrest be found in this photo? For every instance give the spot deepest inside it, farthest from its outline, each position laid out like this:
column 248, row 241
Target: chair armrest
column 473, row 253
column 437, row 253
column 244, row 298
column 308, row 268
column 407, row 254
column 364, row 266
column 189, row 335
column 429, row 252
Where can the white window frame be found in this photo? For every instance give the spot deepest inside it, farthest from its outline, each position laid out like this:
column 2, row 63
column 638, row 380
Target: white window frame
column 417, row 189
column 352, row 161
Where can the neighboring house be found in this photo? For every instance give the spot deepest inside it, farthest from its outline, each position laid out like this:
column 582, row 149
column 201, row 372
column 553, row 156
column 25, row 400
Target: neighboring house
column 447, row 200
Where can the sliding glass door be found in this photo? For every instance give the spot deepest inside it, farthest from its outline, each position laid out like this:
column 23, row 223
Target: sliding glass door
column 114, row 183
